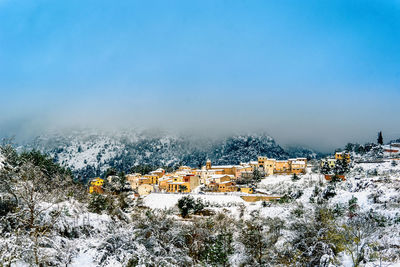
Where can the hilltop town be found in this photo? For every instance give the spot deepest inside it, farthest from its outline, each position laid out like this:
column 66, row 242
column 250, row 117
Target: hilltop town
column 209, row 178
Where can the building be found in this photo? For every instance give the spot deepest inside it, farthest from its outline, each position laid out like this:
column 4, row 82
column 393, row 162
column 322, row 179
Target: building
column 159, row 172
column 218, row 178
column 227, row 186
column 150, row 179
column 391, row 150
column 282, row 167
column 246, row 190
column 298, row 166
column 183, row 184
column 331, row 162
column 223, row 169
column 290, row 166
column 343, row 155
column 96, row 186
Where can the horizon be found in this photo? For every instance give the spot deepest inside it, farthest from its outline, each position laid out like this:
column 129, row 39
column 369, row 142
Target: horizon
column 315, row 74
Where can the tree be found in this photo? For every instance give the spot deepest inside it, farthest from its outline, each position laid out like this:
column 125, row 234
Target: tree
column 182, row 188
column 97, row 203
column 185, row 205
column 380, row 138
column 218, row 249
column 256, row 178
column 316, row 240
column 358, row 237
column 295, row 177
column 341, row 167
column 325, row 169
column 352, row 206
column 259, row 236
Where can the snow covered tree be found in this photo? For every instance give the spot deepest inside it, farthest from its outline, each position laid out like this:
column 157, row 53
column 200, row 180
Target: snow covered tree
column 316, row 240
column 341, row 167
column 358, row 237
column 185, row 205
column 259, row 236
column 325, row 169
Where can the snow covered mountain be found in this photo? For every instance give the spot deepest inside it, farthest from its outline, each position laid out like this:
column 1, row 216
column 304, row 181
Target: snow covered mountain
column 91, row 153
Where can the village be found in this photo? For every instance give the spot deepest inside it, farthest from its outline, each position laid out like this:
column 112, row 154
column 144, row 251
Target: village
column 238, row 179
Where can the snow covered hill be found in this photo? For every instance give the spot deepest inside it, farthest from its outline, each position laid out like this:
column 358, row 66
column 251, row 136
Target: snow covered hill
column 91, row 153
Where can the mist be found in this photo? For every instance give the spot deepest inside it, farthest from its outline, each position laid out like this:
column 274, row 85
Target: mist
column 309, row 74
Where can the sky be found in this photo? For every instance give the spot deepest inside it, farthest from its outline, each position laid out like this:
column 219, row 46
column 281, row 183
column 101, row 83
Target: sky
column 314, row 73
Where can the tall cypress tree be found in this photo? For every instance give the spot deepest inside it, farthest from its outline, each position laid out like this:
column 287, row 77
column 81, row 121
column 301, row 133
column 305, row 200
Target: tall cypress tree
column 380, row 138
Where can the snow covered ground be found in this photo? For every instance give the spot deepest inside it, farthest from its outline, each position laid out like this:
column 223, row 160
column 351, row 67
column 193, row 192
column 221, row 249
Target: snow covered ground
column 376, row 186
column 166, row 201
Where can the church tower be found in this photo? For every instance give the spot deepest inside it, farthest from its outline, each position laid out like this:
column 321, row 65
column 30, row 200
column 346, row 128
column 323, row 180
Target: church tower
column 208, row 164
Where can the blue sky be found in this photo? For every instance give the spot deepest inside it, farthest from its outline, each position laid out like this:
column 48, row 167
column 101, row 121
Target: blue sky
column 318, row 73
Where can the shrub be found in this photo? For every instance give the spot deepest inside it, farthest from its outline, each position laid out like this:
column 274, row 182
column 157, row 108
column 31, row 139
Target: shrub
column 97, row 203
column 187, row 204
column 295, row 177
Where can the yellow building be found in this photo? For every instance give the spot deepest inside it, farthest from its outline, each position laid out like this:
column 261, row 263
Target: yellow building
column 183, row 184
column 331, row 162
column 227, row 186
column 267, row 165
column 297, row 166
column 247, row 190
column 341, row 155
column 223, row 169
column 96, row 185
column 164, row 182
column 150, row 179
column 282, row 166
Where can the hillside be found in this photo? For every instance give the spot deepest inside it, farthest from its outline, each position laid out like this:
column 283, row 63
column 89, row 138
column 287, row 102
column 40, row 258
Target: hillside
column 90, row 154
column 316, row 222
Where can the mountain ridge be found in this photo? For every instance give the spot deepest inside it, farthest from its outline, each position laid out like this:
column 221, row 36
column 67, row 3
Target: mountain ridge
column 90, row 153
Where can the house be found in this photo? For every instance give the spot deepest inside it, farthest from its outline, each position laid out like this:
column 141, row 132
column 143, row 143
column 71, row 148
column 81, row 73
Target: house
column 391, row 149
column 163, row 183
column 298, row 166
column 246, row 190
column 159, row 172
column 227, row 186
column 183, row 184
column 282, row 167
column 223, row 169
column 218, row 178
column 96, row 186
column 331, row 162
column 244, row 168
column 150, row 179
column 343, row 155
column 290, row 166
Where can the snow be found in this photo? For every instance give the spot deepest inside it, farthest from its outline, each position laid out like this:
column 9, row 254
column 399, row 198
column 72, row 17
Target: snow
column 1, row 161
column 166, row 201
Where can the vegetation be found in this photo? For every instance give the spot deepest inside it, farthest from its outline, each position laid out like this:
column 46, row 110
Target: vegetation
column 48, row 219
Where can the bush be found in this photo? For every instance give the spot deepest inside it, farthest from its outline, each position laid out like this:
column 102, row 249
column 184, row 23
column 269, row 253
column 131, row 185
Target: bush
column 295, row 177
column 187, row 204
column 97, row 203
column 329, row 192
